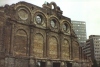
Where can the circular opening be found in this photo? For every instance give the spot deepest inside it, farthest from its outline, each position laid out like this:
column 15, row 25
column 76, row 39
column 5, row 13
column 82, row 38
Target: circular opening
column 23, row 14
column 39, row 19
column 53, row 23
column 52, row 6
column 65, row 26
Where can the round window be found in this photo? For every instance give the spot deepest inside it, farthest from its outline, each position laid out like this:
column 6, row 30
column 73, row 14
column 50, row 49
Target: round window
column 53, row 23
column 65, row 26
column 23, row 14
column 39, row 19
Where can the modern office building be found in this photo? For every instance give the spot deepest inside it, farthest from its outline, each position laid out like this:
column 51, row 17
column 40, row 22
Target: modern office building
column 92, row 48
column 80, row 30
column 87, row 48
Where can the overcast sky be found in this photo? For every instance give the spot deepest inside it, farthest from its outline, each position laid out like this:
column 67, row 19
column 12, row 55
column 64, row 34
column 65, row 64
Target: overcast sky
column 79, row 10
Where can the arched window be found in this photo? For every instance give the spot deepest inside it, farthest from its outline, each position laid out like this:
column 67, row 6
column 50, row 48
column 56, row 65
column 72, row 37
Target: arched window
column 52, row 47
column 65, row 49
column 75, row 50
column 38, row 45
column 20, row 46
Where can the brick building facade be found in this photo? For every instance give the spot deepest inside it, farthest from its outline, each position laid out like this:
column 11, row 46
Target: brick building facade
column 32, row 36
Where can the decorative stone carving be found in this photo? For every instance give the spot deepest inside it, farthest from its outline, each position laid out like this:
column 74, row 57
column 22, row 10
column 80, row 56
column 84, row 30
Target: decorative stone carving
column 23, row 14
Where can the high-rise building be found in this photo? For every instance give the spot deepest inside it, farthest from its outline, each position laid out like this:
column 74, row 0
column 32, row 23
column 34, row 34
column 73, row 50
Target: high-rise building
column 92, row 48
column 80, row 30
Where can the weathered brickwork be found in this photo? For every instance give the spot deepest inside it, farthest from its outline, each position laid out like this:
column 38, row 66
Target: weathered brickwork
column 32, row 36
column 65, row 52
column 38, row 47
column 53, row 47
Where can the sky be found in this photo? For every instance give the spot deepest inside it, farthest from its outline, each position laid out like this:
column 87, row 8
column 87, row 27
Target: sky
column 79, row 10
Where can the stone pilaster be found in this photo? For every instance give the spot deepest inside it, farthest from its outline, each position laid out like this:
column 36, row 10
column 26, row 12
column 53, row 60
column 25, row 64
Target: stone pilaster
column 63, row 64
column 48, row 64
column 32, row 63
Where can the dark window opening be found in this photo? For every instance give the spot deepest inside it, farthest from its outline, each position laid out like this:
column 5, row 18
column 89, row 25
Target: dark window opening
column 56, row 64
column 41, row 64
column 69, row 64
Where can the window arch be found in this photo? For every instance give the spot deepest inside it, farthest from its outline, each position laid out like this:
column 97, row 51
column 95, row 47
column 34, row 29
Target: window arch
column 53, row 5
column 66, row 27
column 23, row 13
column 39, row 19
column 53, row 47
column 20, row 46
column 38, row 45
column 54, row 22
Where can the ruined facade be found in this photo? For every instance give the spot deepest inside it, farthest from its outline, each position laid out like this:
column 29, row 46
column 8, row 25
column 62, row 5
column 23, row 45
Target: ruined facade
column 32, row 36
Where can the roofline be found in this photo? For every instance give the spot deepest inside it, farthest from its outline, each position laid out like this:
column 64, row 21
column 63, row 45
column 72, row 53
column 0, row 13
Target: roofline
column 77, row 21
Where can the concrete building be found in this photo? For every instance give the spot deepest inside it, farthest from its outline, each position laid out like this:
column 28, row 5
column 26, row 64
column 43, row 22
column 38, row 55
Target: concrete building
column 92, row 48
column 80, row 30
column 87, row 48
